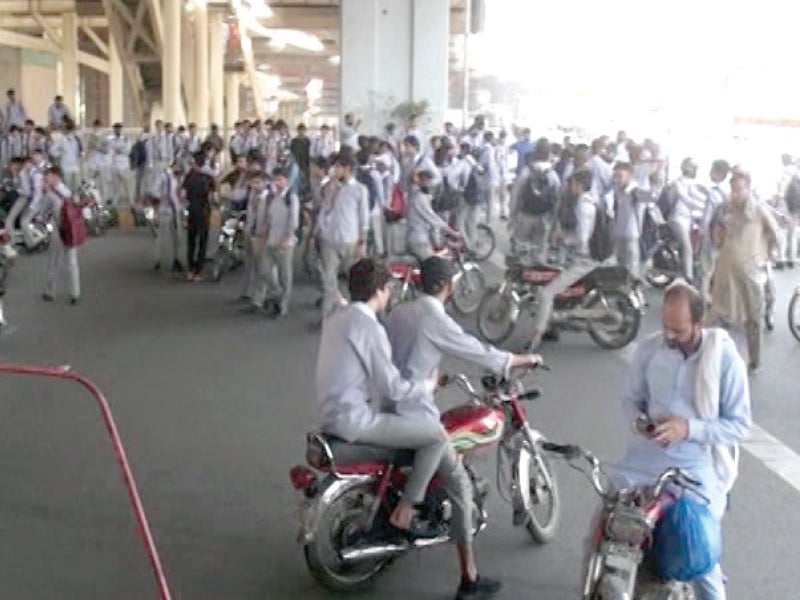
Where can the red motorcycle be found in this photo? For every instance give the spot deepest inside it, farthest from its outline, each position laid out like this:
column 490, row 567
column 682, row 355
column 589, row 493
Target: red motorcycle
column 618, row 568
column 407, row 279
column 346, row 503
column 606, row 302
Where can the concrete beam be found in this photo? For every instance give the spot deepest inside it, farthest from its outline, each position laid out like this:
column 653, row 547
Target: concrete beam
column 9, row 21
column 97, row 41
column 306, row 18
column 157, row 22
column 41, row 6
column 20, row 40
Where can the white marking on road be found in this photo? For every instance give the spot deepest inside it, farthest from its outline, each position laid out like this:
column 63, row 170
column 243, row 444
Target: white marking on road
column 762, row 445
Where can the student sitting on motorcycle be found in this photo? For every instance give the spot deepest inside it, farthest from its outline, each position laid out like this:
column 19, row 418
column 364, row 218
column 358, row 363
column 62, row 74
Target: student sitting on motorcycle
column 575, row 224
column 420, row 332
column 691, row 384
column 355, row 372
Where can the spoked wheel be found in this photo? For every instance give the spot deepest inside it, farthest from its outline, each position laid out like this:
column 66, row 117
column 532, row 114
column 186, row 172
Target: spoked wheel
column 622, row 323
column 794, row 314
column 538, row 494
column 483, row 243
column 665, row 268
column 496, row 315
column 469, row 289
column 339, row 528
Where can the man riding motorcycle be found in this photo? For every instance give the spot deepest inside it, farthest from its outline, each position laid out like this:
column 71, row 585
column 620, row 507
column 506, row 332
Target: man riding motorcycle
column 686, row 397
column 355, row 369
column 420, row 332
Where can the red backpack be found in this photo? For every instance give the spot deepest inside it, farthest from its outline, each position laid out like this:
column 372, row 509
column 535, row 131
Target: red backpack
column 397, row 205
column 73, row 229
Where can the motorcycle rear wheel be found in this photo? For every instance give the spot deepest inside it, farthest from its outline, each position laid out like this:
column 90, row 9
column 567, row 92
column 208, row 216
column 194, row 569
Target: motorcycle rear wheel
column 469, row 289
column 483, row 243
column 631, row 321
column 540, row 499
column 794, row 314
column 496, row 310
column 339, row 526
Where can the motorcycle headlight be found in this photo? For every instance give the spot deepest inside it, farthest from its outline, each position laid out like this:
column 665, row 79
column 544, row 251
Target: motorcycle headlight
column 627, row 526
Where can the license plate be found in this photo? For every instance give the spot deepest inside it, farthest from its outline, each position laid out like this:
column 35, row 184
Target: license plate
column 87, row 213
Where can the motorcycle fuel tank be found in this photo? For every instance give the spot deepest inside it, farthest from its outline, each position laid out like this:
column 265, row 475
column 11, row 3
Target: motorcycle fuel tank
column 471, row 426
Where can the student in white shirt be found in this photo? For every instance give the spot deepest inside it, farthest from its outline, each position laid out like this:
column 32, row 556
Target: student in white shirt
column 58, row 114
column 284, row 219
column 14, row 111
column 68, row 150
column 170, row 209
column 119, row 149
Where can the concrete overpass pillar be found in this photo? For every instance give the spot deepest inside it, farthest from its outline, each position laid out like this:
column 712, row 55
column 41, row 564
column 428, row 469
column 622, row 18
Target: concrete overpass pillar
column 216, row 67
column 69, row 62
column 394, row 51
column 116, row 86
column 232, row 82
column 199, row 102
column 171, row 62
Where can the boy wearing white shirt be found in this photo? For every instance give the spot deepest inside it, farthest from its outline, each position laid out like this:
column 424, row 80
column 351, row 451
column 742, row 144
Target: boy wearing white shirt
column 168, row 236
column 284, row 218
column 68, row 150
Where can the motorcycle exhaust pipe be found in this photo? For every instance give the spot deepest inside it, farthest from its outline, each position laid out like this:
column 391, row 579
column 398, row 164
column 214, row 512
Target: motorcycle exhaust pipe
column 362, row 553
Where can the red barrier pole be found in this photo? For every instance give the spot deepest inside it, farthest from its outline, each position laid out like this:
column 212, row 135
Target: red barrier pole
column 119, row 450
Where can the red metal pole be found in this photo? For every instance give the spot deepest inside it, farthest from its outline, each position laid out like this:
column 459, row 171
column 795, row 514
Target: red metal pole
column 119, row 451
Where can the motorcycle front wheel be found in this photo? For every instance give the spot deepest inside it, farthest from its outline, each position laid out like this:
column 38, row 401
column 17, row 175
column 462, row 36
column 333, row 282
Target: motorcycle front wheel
column 794, row 314
column 665, row 267
column 339, row 527
column 539, row 494
column 469, row 289
column 496, row 315
column 614, row 336
column 483, row 243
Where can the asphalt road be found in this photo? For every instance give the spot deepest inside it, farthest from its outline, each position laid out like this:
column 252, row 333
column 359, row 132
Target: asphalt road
column 213, row 407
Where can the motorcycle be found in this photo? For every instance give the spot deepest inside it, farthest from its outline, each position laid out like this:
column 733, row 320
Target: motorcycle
column 232, row 246
column 794, row 314
column 607, row 303
column 619, row 568
column 348, row 496
column 665, row 256
column 98, row 217
column 407, row 277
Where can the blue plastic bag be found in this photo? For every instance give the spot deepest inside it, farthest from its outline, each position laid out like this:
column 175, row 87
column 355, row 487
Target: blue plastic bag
column 687, row 542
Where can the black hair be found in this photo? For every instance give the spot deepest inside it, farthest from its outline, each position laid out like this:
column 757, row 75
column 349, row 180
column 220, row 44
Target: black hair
column 345, row 159
column 321, row 162
column 53, row 170
column 583, row 177
column 542, row 150
column 411, row 141
column 697, row 304
column 280, row 172
column 367, row 277
column 722, row 167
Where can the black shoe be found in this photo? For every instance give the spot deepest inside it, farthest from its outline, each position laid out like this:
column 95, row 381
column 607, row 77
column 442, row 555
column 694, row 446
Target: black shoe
column 769, row 322
column 790, row 264
column 779, row 265
column 47, row 297
column 482, row 587
column 157, row 267
column 73, row 301
column 551, row 335
column 318, row 303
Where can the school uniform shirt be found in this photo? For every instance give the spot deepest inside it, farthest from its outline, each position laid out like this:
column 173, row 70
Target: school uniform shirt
column 284, row 219
column 420, row 162
column 459, row 172
column 170, row 204
column 690, row 200
column 628, row 215
column 602, row 176
column 258, row 213
column 67, row 149
column 421, row 333
column 56, row 114
column 346, row 220
column 50, row 200
column 238, row 144
column 322, row 146
column 119, row 148
column 15, row 113
column 158, row 149
column 585, row 213
column 422, row 222
column 355, row 373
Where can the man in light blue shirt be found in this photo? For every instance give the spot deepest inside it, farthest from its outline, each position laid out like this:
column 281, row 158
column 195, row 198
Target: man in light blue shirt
column 627, row 204
column 692, row 384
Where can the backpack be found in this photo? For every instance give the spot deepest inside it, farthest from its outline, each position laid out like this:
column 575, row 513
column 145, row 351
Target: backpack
column 567, row 212
column 72, row 229
column 446, row 199
column 364, row 176
column 667, row 200
column 538, row 197
column 397, row 204
column 476, row 191
column 792, row 195
column 601, row 243
column 138, row 154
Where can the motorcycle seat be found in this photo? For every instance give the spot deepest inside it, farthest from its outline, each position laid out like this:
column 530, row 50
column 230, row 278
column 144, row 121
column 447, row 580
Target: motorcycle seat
column 324, row 450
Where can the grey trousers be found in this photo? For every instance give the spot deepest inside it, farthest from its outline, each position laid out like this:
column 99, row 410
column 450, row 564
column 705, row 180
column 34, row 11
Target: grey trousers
column 168, row 241
column 426, row 437
column 682, row 233
column 120, row 185
column 459, row 489
column 376, row 223
column 72, row 179
column 334, row 257
column 278, row 264
column 16, row 210
column 627, row 253
column 531, row 231
column 789, row 249
column 62, row 261
column 422, row 250
column 579, row 268
column 467, row 220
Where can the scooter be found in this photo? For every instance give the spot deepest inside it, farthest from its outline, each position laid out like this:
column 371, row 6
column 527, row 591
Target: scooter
column 618, row 568
column 230, row 253
column 98, row 217
column 351, row 489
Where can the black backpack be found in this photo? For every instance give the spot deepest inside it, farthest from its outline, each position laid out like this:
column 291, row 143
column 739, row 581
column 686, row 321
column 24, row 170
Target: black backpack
column 138, row 154
column 538, row 195
column 567, row 212
column 601, row 243
column 667, row 200
column 477, row 187
column 364, row 176
column 792, row 195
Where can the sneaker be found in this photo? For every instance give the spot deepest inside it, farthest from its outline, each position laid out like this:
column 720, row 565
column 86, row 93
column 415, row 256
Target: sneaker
column 754, row 368
column 157, row 267
column 47, row 297
column 482, row 587
column 74, row 300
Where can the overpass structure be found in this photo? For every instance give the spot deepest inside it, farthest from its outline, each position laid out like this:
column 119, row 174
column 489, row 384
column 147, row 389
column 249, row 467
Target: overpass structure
column 215, row 61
